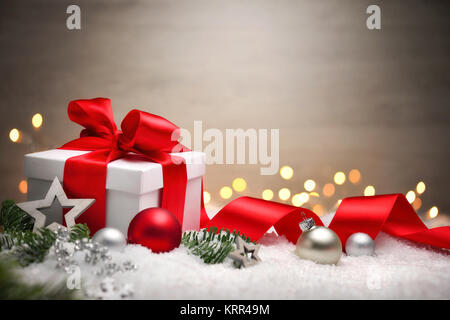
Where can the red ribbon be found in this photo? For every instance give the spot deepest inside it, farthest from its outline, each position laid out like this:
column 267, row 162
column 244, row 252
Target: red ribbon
column 254, row 217
column 391, row 214
column 143, row 135
column 153, row 137
column 388, row 213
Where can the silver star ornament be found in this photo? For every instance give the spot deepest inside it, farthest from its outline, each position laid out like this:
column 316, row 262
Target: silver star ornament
column 246, row 254
column 56, row 191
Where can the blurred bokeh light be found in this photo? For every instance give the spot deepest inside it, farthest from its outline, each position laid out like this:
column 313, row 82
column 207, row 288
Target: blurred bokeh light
column 339, row 178
column 14, row 135
column 37, row 120
column 351, row 110
column 369, row 191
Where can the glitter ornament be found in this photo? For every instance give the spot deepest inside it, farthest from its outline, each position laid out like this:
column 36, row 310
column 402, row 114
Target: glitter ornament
column 95, row 254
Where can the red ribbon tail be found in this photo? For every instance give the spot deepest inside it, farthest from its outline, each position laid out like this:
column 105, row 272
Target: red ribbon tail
column 253, row 217
column 85, row 177
column 204, row 219
column 388, row 213
column 175, row 182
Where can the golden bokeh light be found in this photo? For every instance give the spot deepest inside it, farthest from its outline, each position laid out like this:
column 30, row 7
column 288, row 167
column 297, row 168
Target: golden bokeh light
column 369, row 191
column 284, row 193
column 37, row 120
column 300, row 199
column 267, row 194
column 318, row 209
column 239, row 184
column 339, row 202
column 339, row 178
column 433, row 213
column 296, row 200
column 226, row 192
column 417, row 203
column 354, row 176
column 23, row 186
column 286, row 172
column 328, row 190
column 14, row 135
column 314, row 194
column 410, row 196
column 304, row 197
column 206, row 197
column 309, row 185
column 420, row 188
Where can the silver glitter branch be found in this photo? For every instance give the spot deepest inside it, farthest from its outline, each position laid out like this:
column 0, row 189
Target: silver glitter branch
column 95, row 254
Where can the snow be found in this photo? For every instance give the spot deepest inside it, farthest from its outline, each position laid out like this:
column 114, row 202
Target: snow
column 399, row 270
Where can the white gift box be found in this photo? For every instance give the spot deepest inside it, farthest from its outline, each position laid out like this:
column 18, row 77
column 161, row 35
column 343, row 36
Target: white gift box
column 131, row 185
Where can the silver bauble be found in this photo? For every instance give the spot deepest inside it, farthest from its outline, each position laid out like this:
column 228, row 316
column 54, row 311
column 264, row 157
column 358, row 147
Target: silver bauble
column 318, row 244
column 110, row 238
column 360, row 244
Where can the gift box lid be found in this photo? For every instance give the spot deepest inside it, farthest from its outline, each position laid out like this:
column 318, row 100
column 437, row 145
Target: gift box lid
column 131, row 174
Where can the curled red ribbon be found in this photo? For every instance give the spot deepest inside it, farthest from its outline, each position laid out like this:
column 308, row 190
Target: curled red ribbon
column 154, row 137
column 391, row 214
column 253, row 217
column 388, row 213
column 147, row 135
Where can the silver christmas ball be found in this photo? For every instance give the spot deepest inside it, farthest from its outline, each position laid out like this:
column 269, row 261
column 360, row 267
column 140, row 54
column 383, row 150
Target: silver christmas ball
column 110, row 238
column 318, row 244
column 360, row 244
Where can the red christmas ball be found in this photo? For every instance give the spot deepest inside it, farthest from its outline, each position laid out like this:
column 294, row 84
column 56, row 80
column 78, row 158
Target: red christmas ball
column 155, row 228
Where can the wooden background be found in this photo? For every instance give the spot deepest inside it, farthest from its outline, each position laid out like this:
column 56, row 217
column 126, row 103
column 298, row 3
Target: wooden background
column 342, row 96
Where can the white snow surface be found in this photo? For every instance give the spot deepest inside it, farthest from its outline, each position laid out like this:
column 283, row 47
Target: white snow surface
column 399, row 270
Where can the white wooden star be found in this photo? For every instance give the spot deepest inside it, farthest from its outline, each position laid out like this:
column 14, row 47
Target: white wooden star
column 241, row 254
column 56, row 191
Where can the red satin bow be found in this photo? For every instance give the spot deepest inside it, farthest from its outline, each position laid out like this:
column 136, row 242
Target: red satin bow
column 388, row 213
column 144, row 134
column 154, row 137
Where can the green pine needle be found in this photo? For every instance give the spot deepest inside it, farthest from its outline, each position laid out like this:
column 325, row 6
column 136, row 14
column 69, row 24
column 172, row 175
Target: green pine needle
column 13, row 219
column 79, row 231
column 21, row 242
column 33, row 246
column 12, row 287
column 20, row 246
column 211, row 245
column 7, row 241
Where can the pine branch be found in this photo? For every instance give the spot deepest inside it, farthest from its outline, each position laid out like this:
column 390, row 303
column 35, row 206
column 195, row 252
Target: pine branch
column 79, row 231
column 210, row 245
column 24, row 244
column 13, row 219
column 11, row 286
column 33, row 246
column 6, row 241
